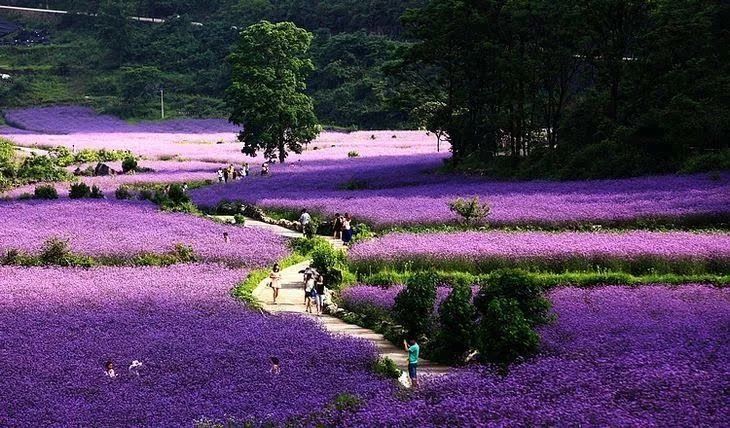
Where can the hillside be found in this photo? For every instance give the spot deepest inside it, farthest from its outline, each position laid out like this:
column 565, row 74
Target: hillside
column 118, row 65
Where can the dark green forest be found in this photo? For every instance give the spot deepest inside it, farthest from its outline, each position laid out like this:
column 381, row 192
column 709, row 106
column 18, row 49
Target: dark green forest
column 528, row 88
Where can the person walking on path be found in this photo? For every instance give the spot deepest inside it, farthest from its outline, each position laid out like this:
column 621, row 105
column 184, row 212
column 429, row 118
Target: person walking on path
column 310, row 293
column 346, row 229
column 305, row 219
column 413, row 350
column 275, row 283
column 319, row 289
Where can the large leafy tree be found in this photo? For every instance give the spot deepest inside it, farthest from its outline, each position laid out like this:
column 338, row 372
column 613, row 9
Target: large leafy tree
column 269, row 66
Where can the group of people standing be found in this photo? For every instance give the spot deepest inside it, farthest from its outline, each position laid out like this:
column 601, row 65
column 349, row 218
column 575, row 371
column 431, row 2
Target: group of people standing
column 342, row 227
column 230, row 173
column 314, row 287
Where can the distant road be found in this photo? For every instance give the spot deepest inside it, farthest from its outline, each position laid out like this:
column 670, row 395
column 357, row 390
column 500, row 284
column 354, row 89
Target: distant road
column 66, row 12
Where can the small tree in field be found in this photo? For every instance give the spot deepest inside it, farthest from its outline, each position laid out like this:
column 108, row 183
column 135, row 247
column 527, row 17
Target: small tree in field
column 471, row 210
column 269, row 66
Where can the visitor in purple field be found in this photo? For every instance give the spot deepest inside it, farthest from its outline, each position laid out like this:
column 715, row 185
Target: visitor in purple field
column 413, row 350
column 307, row 274
column 265, row 168
column 225, row 175
column 304, row 220
column 221, row 179
column 310, row 293
column 275, row 283
column 319, row 289
column 337, row 226
column 346, row 228
column 275, row 366
column 246, row 169
column 109, row 370
column 231, row 172
column 226, row 238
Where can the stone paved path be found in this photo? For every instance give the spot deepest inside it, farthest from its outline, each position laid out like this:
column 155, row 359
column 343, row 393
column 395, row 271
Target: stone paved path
column 291, row 300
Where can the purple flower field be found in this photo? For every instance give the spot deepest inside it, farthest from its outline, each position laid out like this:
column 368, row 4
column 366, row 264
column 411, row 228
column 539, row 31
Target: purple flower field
column 113, row 229
column 203, row 353
column 164, row 172
column 474, row 248
column 406, row 191
column 210, row 140
column 617, row 356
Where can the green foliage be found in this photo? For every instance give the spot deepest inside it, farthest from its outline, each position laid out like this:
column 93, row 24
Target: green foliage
column 715, row 161
column 269, row 66
column 504, row 334
column 457, row 318
column 79, row 190
column 509, row 309
column 129, row 164
column 45, row 192
column 330, row 263
column 471, row 210
column 123, row 193
column 347, row 402
column 56, row 252
column 353, row 154
column 414, row 305
column 239, row 219
column 387, row 368
column 41, row 168
column 569, row 89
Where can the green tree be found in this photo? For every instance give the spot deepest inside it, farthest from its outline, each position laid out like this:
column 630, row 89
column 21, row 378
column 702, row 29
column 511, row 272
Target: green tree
column 269, row 66
column 414, row 304
column 457, row 318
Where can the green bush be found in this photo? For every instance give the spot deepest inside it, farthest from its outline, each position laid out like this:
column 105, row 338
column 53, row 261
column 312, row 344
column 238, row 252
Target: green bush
column 46, row 191
column 62, row 155
column 457, row 319
column 41, row 168
column 330, row 263
column 129, row 164
column 510, row 307
column 470, row 210
column 306, row 246
column 353, row 154
column 56, row 252
column 347, row 402
column 385, row 367
column 86, row 156
column 716, row 161
column 414, row 305
column 96, row 192
column 79, row 191
column 523, row 288
column 504, row 334
column 123, row 192
column 239, row 219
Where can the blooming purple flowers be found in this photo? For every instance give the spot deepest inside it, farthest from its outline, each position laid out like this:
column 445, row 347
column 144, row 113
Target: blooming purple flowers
column 114, row 229
column 470, row 249
column 616, row 356
column 204, row 355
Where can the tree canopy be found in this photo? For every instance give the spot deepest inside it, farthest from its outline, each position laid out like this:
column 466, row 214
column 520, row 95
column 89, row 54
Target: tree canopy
column 269, row 66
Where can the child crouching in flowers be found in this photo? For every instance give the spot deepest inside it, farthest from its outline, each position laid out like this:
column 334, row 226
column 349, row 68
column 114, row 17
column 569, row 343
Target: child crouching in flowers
column 275, row 366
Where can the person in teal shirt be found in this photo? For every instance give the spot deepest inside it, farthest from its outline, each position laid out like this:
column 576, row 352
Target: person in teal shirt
column 413, row 350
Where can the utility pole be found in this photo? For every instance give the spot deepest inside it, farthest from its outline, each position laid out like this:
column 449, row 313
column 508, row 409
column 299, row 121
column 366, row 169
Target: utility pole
column 162, row 101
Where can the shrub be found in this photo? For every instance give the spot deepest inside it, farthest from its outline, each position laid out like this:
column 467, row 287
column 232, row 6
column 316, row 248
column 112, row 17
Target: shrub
column 86, row 156
column 129, row 164
column 25, row 196
column 387, row 368
column 523, row 288
column 504, row 334
column 56, row 252
column 123, row 192
column 310, row 229
column 347, row 402
column 96, row 192
column 330, row 263
column 471, row 210
column 63, row 156
column 239, row 219
column 361, row 232
column 457, row 317
column 46, row 191
column 146, row 195
column 509, row 309
column 353, row 154
column 41, row 168
column 306, row 246
column 79, row 190
column 414, row 305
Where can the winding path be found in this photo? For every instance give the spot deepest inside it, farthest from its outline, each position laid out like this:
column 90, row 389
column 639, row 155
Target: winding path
column 291, row 300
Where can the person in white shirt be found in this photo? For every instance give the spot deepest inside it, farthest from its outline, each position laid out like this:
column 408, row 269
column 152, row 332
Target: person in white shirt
column 304, row 220
column 109, row 370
